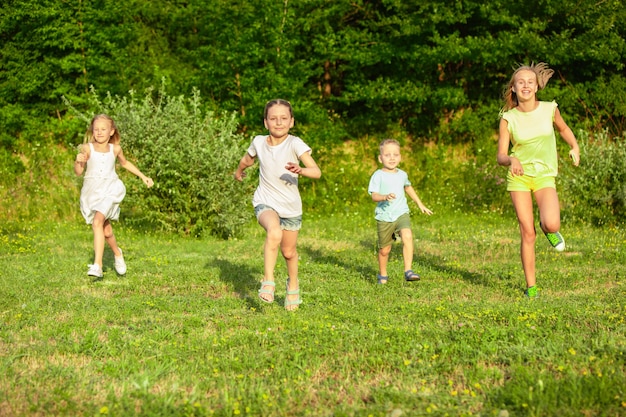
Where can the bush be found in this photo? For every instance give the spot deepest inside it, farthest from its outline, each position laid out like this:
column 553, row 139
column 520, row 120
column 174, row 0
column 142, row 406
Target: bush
column 36, row 182
column 596, row 191
column 190, row 154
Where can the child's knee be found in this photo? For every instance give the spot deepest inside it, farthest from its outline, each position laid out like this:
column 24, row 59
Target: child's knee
column 289, row 253
column 275, row 234
column 385, row 250
column 406, row 234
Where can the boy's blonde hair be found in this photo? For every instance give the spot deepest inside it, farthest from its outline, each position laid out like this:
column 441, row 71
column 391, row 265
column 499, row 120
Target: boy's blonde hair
column 387, row 142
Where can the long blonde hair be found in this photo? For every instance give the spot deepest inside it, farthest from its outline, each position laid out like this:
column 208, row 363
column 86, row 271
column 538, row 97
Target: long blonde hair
column 114, row 139
column 543, row 74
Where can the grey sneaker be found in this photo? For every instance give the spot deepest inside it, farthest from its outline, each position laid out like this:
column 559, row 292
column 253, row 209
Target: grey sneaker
column 120, row 265
column 95, row 271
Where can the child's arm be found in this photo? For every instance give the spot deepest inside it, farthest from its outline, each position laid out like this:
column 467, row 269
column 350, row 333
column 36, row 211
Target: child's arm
column 411, row 192
column 81, row 160
column 377, row 197
column 503, row 157
column 246, row 161
column 568, row 136
column 310, row 170
column 130, row 167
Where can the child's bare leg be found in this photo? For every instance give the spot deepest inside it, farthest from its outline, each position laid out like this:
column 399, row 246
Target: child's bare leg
column 383, row 259
column 522, row 201
column 270, row 221
column 98, row 238
column 110, row 238
column 289, row 250
column 549, row 209
column 407, row 248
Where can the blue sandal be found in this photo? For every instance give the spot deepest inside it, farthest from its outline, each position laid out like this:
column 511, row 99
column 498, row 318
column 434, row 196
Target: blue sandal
column 411, row 276
column 382, row 279
column 296, row 302
column 267, row 292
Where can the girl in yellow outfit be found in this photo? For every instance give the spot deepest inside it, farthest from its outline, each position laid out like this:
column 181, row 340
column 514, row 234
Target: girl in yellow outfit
column 529, row 125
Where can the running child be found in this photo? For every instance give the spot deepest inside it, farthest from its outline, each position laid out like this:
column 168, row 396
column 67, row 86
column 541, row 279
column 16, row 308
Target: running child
column 102, row 190
column 277, row 203
column 529, row 126
column 388, row 187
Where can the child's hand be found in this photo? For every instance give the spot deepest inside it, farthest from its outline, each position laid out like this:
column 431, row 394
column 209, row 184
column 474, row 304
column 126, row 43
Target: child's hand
column 81, row 158
column 148, row 181
column 425, row 209
column 240, row 175
column 575, row 155
column 390, row 197
column 293, row 167
column 516, row 167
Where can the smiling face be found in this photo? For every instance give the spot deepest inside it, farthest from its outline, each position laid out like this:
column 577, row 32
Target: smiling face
column 102, row 130
column 525, row 85
column 390, row 156
column 279, row 120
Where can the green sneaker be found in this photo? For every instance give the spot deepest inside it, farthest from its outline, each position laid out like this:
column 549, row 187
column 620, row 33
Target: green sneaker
column 556, row 240
column 531, row 292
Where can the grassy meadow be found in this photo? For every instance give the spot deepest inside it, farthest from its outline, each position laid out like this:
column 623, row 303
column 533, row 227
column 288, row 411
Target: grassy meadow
column 183, row 333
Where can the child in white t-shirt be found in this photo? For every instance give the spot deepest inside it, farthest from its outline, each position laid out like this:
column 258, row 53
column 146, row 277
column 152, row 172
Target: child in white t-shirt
column 277, row 203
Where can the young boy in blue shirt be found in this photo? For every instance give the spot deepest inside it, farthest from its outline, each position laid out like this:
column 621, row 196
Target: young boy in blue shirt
column 388, row 187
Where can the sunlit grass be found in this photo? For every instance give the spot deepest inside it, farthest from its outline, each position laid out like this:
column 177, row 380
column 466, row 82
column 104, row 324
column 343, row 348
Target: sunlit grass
column 183, row 333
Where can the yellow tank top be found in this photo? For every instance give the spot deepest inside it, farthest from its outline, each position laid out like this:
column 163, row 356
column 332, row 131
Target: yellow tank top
column 534, row 140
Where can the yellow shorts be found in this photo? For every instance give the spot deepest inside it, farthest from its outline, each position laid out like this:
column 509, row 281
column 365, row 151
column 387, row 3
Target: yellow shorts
column 526, row 183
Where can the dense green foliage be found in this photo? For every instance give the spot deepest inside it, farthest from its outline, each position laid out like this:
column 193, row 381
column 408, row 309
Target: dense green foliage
column 184, row 333
column 429, row 73
column 596, row 191
column 190, row 154
column 365, row 65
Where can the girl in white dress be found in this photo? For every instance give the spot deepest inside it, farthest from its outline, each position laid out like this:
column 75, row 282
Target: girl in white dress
column 102, row 190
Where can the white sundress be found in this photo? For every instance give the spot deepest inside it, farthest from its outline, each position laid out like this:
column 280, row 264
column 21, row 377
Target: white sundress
column 102, row 190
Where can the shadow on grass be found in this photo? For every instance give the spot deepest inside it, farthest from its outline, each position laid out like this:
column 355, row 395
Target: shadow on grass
column 242, row 279
column 423, row 261
column 437, row 265
column 367, row 272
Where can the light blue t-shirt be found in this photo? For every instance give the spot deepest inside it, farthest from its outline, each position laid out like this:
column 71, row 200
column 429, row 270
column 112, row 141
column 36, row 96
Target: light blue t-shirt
column 383, row 182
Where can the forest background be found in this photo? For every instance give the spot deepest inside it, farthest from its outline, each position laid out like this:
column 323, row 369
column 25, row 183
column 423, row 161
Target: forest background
column 187, row 82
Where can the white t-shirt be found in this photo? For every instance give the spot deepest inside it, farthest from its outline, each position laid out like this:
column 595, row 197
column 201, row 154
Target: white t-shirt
column 278, row 187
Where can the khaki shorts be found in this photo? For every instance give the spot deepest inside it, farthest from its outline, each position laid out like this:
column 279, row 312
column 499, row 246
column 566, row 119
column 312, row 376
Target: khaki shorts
column 526, row 183
column 387, row 229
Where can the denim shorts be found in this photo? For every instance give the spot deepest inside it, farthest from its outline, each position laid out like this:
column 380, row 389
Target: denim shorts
column 526, row 183
column 292, row 224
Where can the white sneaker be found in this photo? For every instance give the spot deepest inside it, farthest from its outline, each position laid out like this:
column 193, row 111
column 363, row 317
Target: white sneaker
column 95, row 270
column 120, row 265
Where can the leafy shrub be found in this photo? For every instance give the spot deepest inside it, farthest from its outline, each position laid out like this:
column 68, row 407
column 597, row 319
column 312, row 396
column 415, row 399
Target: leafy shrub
column 191, row 155
column 448, row 178
column 596, row 190
column 36, row 182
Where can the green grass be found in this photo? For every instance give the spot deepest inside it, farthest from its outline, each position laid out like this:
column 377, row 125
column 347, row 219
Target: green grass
column 184, row 334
